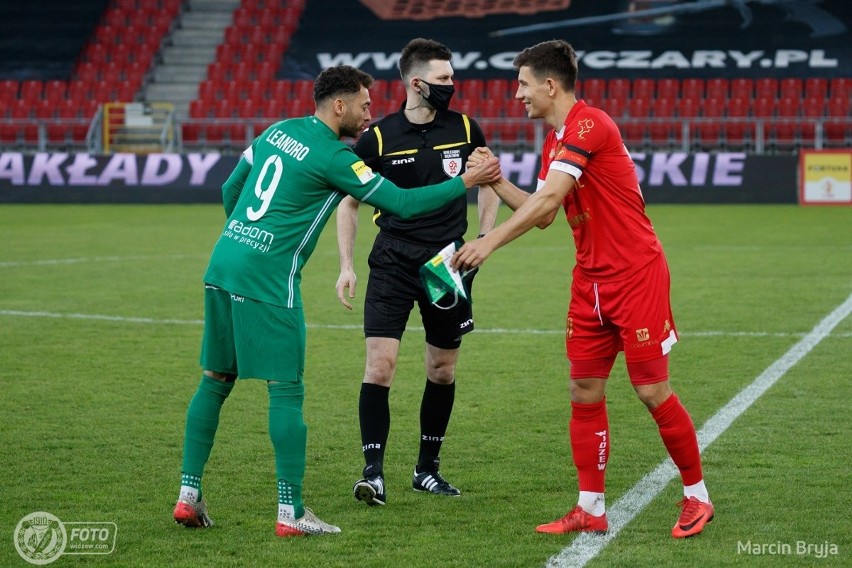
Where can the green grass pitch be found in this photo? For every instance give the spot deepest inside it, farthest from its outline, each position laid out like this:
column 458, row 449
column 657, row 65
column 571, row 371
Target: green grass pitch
column 100, row 310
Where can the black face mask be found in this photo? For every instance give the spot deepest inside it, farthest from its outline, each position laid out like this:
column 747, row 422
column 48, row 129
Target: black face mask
column 439, row 95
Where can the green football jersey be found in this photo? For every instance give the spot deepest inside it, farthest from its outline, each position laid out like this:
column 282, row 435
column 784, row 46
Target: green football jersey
column 280, row 196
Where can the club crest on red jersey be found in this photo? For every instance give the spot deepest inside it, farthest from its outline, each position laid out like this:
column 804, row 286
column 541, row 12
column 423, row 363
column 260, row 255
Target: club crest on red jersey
column 584, row 126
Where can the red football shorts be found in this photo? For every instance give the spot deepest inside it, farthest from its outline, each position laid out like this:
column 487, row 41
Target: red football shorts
column 633, row 315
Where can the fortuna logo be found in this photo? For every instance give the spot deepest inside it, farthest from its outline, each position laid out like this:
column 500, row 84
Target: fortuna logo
column 401, row 161
column 366, row 447
column 584, row 126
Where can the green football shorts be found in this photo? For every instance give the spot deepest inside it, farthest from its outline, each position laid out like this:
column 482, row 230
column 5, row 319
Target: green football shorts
column 252, row 339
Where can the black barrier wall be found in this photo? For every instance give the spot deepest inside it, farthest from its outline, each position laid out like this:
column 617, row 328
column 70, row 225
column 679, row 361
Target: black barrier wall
column 665, row 177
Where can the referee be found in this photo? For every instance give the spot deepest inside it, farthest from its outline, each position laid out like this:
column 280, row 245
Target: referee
column 422, row 143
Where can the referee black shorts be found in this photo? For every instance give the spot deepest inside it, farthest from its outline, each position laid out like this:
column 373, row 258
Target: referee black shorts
column 394, row 286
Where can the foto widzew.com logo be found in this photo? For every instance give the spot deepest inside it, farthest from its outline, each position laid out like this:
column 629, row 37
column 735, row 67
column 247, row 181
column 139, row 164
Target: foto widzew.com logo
column 40, row 538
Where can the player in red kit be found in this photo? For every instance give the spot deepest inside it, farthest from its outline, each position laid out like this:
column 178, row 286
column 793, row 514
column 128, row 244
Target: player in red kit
column 620, row 286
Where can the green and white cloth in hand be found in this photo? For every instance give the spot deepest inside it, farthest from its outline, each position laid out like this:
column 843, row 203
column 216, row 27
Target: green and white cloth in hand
column 440, row 279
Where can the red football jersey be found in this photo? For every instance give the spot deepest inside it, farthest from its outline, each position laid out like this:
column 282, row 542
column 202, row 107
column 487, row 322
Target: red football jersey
column 613, row 235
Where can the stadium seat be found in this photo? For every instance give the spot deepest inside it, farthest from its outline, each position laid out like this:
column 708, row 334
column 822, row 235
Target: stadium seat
column 790, row 88
column 499, row 89
column 643, row 88
column 838, row 106
column 735, row 128
column 710, row 127
column 614, row 107
column 271, row 109
column 249, row 108
column 812, row 109
column 31, row 91
column 763, row 112
column 766, row 88
column 488, row 107
column 661, row 130
column 717, row 88
column 692, row 89
column 816, row 88
column 281, row 90
column 303, row 89
column 840, row 87
column 668, row 89
column 742, row 88
column 265, row 71
column 513, row 108
column 592, row 89
column 639, row 107
column 8, row 91
column 633, row 128
column 618, row 89
column 785, row 130
column 471, row 89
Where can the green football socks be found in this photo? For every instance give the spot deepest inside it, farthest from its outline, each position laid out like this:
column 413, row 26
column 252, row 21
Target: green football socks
column 202, row 420
column 289, row 435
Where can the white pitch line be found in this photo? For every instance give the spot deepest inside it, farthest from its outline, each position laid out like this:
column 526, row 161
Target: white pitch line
column 61, row 261
column 586, row 546
column 358, row 326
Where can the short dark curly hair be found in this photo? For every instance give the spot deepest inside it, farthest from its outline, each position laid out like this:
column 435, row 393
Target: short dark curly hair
column 555, row 58
column 340, row 80
column 419, row 52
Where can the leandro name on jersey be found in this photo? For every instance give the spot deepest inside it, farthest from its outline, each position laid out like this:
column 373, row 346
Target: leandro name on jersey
column 288, row 145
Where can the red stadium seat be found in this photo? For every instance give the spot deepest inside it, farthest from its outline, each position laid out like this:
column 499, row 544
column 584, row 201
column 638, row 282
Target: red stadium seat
column 812, row 109
column 248, row 109
column 692, row 89
column 472, row 89
column 668, row 89
column 592, row 89
column 838, row 106
column 31, row 91
column 54, row 92
column 790, row 88
column 766, row 88
column 638, row 107
column 816, row 88
column 785, row 130
column 513, row 108
column 840, row 87
column 303, row 89
column 710, row 127
column 271, row 109
column 742, row 88
column 618, row 89
column 265, row 72
column 661, row 130
column 8, row 94
column 642, row 88
column 717, row 88
column 735, row 127
column 281, row 90
column 614, row 107
column 488, row 108
column 498, row 89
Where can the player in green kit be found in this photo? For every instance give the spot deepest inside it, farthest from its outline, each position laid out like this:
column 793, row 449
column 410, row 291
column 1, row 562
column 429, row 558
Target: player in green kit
column 277, row 200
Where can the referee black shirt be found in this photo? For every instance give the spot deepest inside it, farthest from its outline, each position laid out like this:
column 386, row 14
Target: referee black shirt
column 414, row 155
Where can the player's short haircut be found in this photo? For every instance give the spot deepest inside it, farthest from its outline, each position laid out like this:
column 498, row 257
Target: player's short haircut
column 418, row 53
column 555, row 58
column 339, row 81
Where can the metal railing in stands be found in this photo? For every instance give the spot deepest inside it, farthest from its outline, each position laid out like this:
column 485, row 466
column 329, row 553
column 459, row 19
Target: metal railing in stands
column 232, row 135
